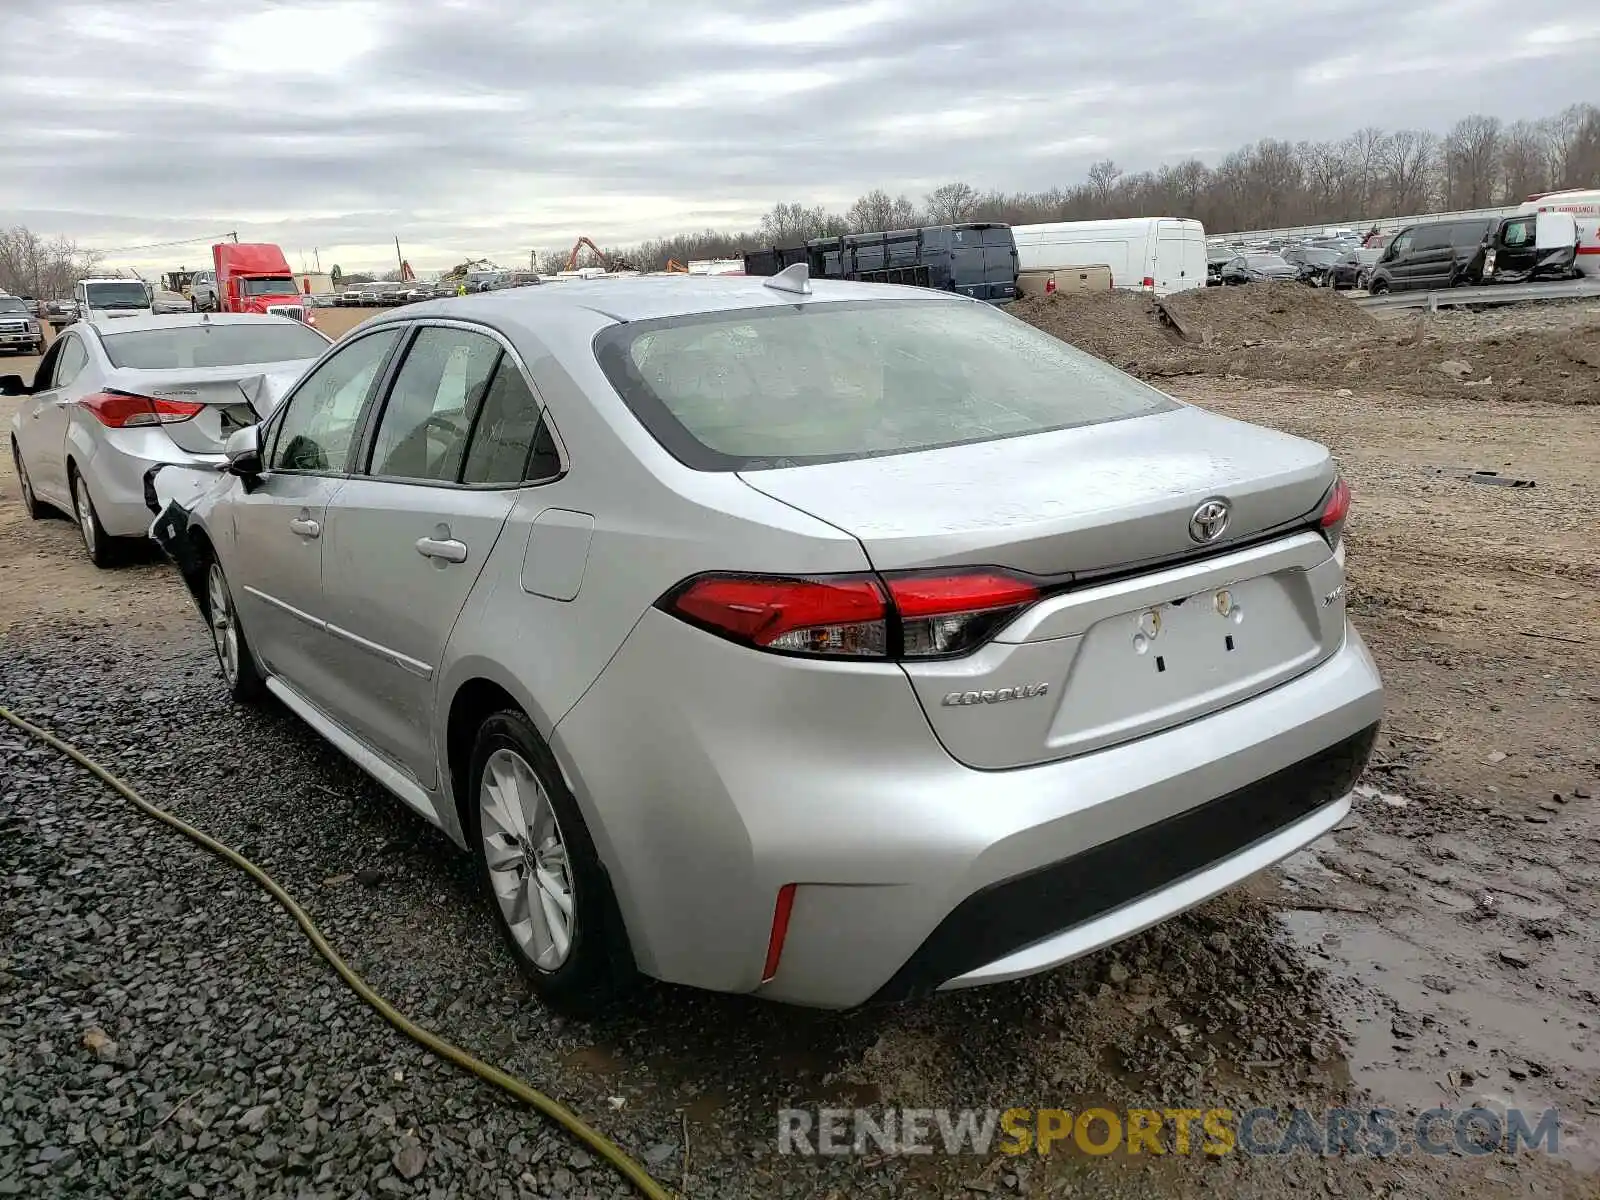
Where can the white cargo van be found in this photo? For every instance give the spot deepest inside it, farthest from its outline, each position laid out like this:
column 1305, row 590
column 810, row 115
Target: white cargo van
column 1154, row 254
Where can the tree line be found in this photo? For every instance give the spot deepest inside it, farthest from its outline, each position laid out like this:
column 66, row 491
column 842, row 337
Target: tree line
column 44, row 268
column 1481, row 162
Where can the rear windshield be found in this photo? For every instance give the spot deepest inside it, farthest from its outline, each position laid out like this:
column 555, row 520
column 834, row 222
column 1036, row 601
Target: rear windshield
column 823, row 382
column 274, row 286
column 213, row 345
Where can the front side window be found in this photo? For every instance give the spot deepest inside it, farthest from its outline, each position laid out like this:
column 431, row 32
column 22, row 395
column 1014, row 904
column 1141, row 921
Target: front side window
column 319, row 422
column 431, row 407
column 825, row 382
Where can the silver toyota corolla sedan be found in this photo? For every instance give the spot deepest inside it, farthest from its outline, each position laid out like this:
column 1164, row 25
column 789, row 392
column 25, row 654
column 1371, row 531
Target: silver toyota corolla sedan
column 830, row 642
column 107, row 402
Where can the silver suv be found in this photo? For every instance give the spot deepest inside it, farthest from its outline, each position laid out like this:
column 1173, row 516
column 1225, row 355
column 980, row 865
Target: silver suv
column 827, row 641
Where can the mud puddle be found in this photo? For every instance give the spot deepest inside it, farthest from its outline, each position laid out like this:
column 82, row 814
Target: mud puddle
column 1442, row 998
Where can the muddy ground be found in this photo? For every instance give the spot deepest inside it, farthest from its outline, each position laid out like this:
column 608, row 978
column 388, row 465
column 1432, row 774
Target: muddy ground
column 1442, row 947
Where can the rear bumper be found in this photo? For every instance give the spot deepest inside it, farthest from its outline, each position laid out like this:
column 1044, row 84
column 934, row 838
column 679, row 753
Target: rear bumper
column 116, row 472
column 705, row 800
column 1056, row 913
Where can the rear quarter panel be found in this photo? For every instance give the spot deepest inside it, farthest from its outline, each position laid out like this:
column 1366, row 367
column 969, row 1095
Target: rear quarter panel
column 655, row 523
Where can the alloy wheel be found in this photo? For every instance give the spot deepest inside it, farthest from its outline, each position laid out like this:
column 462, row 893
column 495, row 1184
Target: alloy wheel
column 85, row 508
column 527, row 860
column 224, row 629
column 24, row 484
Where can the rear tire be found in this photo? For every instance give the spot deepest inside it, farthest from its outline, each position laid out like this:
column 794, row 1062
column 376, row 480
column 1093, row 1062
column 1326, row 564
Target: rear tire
column 30, row 502
column 238, row 663
column 101, row 547
column 551, row 897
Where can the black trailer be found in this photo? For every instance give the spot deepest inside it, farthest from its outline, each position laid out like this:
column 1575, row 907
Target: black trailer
column 977, row 259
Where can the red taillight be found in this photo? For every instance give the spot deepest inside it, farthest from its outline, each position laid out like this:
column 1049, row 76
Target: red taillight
column 1150, row 281
column 123, row 410
column 913, row 615
column 1334, row 510
column 844, row 615
column 947, row 614
column 780, row 930
column 1338, row 506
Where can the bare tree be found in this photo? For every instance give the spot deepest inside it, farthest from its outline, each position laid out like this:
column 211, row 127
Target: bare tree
column 1472, row 162
column 950, row 203
column 877, row 210
column 1408, row 160
column 792, row 224
column 44, row 268
column 1364, row 151
column 1524, row 162
column 1103, row 177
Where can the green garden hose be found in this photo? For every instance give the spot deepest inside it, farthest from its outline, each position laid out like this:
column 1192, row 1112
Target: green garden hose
column 625, row 1166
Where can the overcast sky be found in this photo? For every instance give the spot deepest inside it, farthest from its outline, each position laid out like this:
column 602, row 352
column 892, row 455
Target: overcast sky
column 473, row 127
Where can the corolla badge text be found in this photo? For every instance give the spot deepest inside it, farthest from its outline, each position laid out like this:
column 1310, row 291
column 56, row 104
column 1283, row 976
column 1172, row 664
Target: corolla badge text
column 1025, row 691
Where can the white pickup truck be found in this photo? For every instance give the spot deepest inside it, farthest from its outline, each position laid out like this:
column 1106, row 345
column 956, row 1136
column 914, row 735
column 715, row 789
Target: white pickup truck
column 108, row 299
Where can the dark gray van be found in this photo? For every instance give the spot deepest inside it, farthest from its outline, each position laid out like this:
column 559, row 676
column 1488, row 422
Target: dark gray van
column 1438, row 254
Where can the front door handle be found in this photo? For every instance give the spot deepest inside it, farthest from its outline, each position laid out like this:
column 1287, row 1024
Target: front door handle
column 306, row 527
column 446, row 549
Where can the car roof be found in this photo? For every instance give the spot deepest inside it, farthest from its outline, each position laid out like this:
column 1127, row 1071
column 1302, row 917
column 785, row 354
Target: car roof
column 651, row 297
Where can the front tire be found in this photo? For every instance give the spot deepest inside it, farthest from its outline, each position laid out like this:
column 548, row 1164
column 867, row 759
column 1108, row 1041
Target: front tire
column 238, row 663
column 551, row 896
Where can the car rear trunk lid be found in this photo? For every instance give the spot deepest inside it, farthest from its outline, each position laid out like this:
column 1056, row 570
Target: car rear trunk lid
column 234, row 397
column 1141, row 627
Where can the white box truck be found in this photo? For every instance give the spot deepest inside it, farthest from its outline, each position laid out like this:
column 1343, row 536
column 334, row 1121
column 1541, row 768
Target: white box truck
column 1162, row 255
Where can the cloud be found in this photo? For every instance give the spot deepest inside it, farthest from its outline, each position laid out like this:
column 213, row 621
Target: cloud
column 471, row 127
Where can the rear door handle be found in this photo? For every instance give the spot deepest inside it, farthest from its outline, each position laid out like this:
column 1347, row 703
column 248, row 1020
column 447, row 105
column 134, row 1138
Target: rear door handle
column 306, row 527
column 447, row 549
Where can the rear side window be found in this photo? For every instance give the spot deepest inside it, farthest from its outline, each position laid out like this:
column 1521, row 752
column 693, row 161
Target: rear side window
column 785, row 386
column 73, row 359
column 1431, row 237
column 1469, row 235
column 512, row 442
column 434, row 400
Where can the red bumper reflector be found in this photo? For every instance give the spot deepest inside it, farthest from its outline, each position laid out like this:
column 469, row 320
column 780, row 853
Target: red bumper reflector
column 780, row 930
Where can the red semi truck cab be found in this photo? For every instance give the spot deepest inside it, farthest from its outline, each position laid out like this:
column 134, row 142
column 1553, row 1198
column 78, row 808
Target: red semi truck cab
column 255, row 278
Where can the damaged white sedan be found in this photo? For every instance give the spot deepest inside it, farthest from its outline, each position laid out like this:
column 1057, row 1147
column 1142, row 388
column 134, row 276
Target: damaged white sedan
column 109, row 401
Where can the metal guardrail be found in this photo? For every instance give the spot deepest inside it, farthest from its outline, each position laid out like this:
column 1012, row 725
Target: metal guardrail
column 1505, row 293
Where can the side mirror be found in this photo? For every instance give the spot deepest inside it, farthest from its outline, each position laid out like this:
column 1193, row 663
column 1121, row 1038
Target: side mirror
column 243, row 450
column 14, row 385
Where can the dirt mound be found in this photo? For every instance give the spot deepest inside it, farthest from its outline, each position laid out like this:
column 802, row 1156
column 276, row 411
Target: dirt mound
column 1289, row 333
column 1121, row 327
column 1268, row 312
